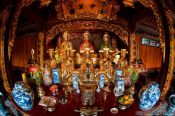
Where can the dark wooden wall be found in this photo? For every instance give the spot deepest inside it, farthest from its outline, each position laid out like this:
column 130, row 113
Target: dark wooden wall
column 151, row 56
column 22, row 49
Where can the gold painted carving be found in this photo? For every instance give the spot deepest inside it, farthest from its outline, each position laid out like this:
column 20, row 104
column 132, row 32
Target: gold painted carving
column 86, row 25
column 133, row 50
column 41, row 49
column 5, row 15
column 93, row 9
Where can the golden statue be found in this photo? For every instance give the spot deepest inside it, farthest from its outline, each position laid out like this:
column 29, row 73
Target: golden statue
column 86, row 43
column 123, row 61
column 105, row 43
column 105, row 57
column 66, row 54
column 67, row 67
column 106, row 66
column 66, row 45
column 106, row 48
column 52, row 60
column 87, row 63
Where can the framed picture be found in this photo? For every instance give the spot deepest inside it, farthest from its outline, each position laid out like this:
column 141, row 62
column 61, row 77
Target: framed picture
column 145, row 41
column 152, row 43
column 55, row 76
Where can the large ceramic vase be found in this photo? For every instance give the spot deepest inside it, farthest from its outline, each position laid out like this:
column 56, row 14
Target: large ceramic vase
column 149, row 95
column 171, row 106
column 3, row 111
column 23, row 96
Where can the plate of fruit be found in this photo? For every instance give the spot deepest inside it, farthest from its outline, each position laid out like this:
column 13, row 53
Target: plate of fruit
column 126, row 100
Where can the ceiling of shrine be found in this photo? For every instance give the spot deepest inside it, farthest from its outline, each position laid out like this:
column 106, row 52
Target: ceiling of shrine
column 115, row 12
column 87, row 9
column 36, row 17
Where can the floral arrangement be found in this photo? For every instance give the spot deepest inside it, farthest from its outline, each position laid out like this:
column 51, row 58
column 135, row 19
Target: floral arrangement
column 35, row 73
column 135, row 69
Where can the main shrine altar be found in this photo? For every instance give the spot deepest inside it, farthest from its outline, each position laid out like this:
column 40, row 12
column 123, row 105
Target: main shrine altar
column 88, row 81
column 85, row 62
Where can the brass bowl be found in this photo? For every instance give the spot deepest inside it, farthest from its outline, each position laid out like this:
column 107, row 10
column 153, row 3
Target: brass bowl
column 51, row 105
column 49, row 109
column 123, row 106
column 114, row 110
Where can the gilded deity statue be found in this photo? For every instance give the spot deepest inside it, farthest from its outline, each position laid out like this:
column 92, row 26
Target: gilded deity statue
column 67, row 67
column 106, row 66
column 105, row 43
column 123, row 61
column 67, row 64
column 52, row 61
column 66, row 46
column 86, row 44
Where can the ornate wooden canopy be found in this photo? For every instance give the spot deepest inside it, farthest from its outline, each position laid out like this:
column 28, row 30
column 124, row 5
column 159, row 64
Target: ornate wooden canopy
column 87, row 25
column 87, row 9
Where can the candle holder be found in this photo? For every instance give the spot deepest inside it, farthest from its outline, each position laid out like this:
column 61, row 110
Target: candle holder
column 35, row 74
column 40, row 91
column 63, row 100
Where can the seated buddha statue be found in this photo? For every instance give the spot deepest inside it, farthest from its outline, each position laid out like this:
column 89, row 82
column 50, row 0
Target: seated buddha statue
column 86, row 44
column 105, row 43
column 66, row 45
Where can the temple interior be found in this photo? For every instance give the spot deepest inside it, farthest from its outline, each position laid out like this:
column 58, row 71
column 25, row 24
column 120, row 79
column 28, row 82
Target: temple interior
column 87, row 57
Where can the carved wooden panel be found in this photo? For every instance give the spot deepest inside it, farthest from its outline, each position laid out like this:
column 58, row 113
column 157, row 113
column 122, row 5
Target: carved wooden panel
column 87, row 25
column 5, row 15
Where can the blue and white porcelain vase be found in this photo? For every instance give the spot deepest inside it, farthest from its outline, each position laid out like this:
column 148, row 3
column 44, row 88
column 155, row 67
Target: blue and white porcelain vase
column 23, row 96
column 171, row 106
column 101, row 81
column 149, row 95
column 3, row 111
column 47, row 77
